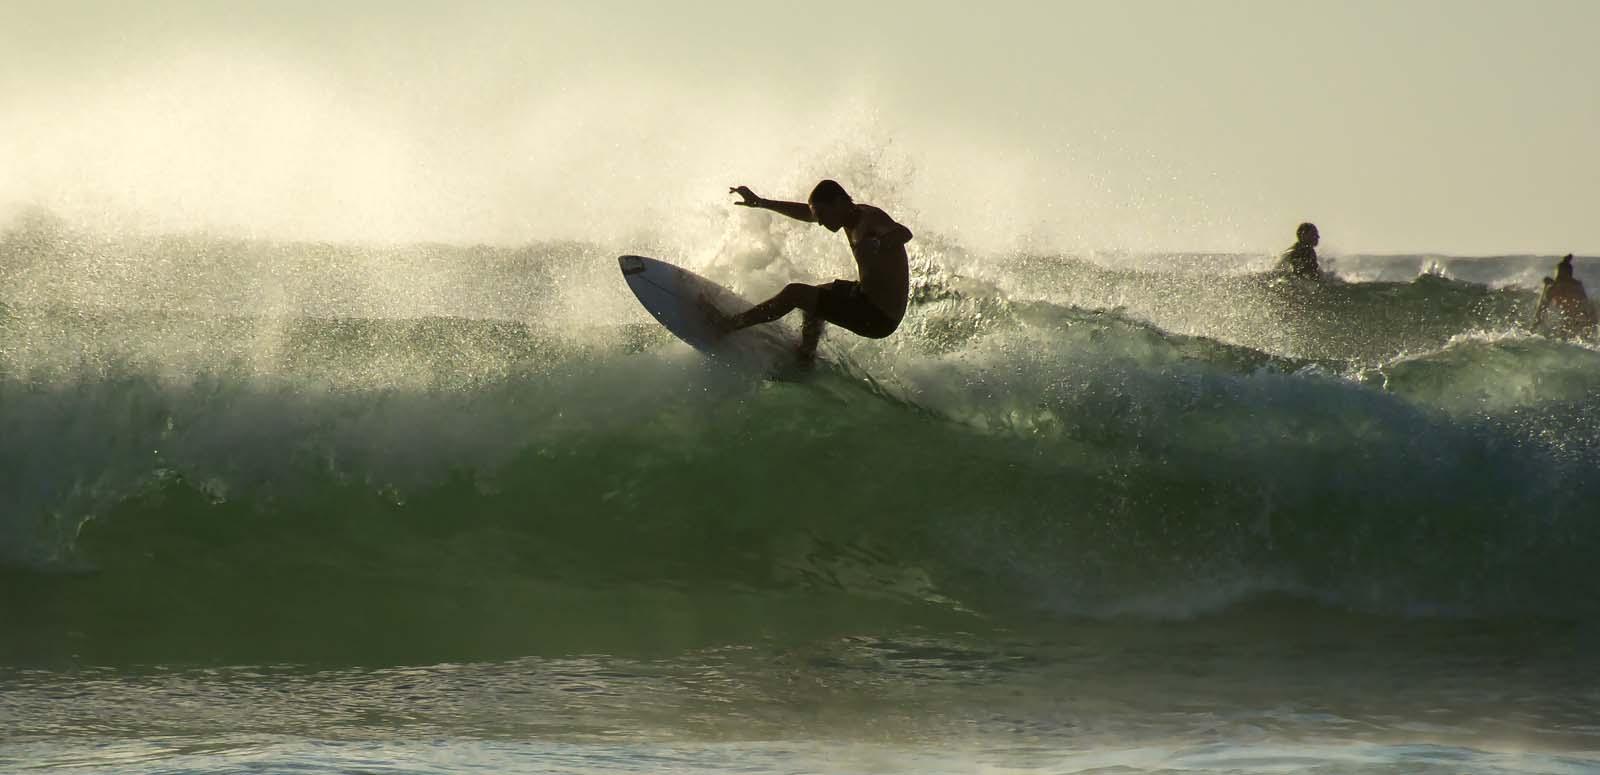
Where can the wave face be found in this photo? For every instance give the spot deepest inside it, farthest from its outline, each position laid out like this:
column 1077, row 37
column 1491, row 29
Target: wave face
column 398, row 453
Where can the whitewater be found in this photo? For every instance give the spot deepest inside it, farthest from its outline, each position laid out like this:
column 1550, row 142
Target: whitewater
column 413, row 507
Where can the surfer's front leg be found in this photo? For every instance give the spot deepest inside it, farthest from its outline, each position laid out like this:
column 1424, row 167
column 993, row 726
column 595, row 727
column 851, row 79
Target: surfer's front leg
column 719, row 320
column 793, row 296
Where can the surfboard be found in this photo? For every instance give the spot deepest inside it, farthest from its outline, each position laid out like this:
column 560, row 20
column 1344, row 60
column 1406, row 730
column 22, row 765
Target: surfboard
column 672, row 295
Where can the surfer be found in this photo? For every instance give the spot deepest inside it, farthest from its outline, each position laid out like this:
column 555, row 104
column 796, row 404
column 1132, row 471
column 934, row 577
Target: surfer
column 1301, row 260
column 1576, row 313
column 871, row 307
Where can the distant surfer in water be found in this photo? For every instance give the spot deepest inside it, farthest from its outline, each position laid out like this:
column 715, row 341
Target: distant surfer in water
column 872, row 307
column 1575, row 312
column 1301, row 260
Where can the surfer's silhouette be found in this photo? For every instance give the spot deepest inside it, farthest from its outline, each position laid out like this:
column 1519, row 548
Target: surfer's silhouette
column 871, row 307
column 1301, row 259
column 1575, row 316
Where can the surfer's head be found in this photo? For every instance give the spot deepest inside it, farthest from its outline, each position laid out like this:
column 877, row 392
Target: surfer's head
column 1307, row 234
column 1564, row 269
column 830, row 205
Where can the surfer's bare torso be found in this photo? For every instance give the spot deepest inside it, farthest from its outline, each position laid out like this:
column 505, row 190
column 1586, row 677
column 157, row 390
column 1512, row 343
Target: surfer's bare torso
column 881, row 260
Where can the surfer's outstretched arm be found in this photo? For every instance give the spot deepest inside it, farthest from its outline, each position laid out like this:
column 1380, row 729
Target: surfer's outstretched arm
column 799, row 211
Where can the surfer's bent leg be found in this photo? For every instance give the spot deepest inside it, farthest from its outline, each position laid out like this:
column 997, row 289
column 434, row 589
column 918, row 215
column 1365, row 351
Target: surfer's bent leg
column 844, row 304
column 793, row 296
column 810, row 334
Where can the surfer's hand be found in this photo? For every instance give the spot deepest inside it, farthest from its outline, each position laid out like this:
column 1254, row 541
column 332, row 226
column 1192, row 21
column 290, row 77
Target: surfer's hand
column 750, row 198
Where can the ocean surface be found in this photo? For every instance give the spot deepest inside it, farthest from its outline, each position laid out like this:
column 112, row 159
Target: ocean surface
column 321, row 508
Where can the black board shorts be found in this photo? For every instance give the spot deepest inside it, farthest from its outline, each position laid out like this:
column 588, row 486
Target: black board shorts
column 844, row 304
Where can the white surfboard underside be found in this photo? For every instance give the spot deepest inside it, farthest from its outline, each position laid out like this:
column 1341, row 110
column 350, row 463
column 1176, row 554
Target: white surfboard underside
column 673, row 296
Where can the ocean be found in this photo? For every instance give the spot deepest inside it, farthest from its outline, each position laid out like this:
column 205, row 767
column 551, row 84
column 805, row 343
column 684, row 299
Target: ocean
column 272, row 506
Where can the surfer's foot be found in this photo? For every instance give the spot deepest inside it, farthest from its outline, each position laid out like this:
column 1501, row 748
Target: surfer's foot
column 718, row 320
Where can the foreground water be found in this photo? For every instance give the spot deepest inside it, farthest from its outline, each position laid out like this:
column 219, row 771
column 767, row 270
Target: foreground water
column 277, row 507
column 1260, row 691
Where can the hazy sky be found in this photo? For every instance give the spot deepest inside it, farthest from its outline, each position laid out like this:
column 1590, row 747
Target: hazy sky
column 1406, row 126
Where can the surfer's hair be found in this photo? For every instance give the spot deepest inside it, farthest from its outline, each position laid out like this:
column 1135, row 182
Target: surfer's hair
column 828, row 191
column 1305, row 230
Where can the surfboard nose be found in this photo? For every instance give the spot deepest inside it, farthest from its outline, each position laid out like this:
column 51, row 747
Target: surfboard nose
column 631, row 264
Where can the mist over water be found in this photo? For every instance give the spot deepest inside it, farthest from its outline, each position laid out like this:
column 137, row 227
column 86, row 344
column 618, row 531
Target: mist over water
column 510, row 126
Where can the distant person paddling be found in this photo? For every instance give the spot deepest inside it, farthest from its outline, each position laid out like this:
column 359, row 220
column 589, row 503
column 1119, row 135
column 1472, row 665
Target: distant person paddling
column 1575, row 313
column 1301, row 260
column 871, row 307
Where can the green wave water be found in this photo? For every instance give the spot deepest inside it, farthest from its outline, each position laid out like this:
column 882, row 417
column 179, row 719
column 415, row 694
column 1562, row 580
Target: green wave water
column 201, row 488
